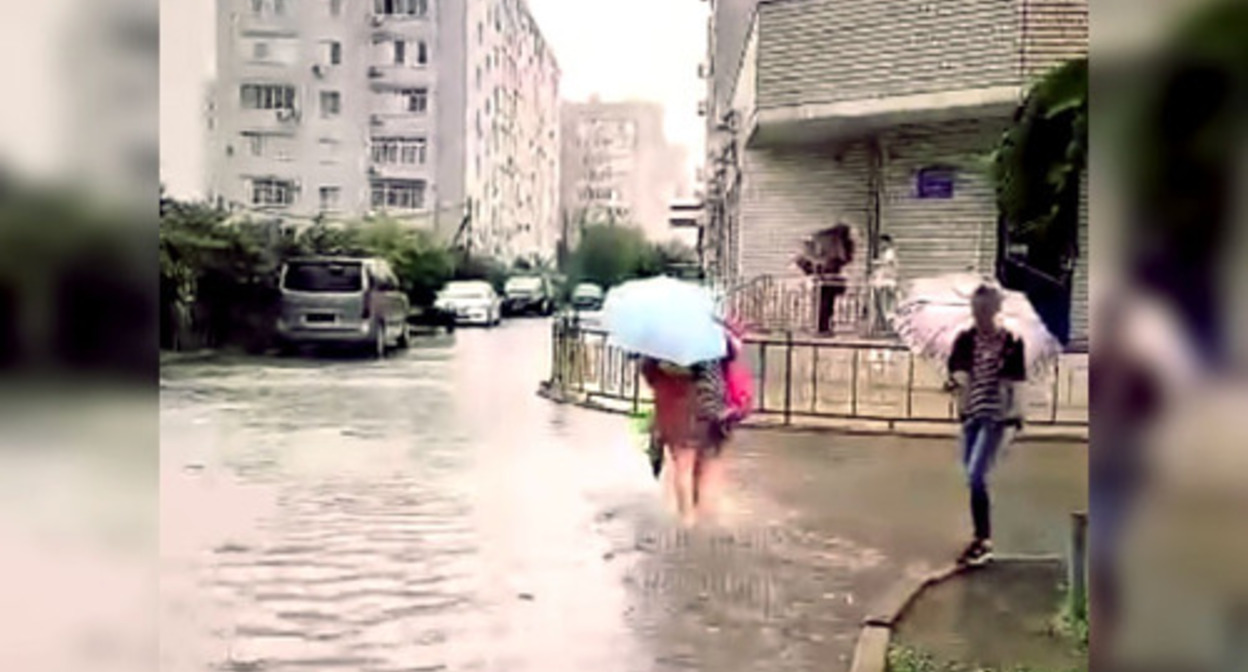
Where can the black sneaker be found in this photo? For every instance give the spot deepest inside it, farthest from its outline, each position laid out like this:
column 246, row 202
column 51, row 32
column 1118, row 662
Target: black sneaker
column 977, row 554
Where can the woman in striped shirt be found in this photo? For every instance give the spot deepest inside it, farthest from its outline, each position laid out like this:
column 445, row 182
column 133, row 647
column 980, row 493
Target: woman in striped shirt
column 986, row 364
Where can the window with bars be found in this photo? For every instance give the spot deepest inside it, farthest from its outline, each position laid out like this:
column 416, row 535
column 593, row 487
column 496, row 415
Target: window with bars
column 269, row 191
column 267, row 96
column 331, row 104
column 401, row 151
column 416, row 100
column 398, row 194
column 331, row 52
column 417, row 8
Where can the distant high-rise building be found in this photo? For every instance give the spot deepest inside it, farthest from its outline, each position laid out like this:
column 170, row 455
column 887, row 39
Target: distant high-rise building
column 443, row 114
column 618, row 167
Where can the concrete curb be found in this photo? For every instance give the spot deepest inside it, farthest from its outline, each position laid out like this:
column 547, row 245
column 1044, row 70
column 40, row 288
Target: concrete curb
column 876, row 634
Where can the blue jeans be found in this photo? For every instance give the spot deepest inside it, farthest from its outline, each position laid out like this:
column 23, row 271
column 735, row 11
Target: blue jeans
column 981, row 441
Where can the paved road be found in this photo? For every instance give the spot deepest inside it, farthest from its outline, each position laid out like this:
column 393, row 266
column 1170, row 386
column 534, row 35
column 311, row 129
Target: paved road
column 430, row 512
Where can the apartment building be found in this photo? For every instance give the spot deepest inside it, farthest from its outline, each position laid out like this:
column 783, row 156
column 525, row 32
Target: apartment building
column 439, row 113
column 618, row 167
column 872, row 114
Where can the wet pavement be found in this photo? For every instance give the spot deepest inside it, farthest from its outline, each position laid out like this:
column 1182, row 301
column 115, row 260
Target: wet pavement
column 430, row 512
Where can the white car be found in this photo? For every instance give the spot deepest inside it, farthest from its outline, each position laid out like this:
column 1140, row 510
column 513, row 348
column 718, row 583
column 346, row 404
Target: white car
column 472, row 302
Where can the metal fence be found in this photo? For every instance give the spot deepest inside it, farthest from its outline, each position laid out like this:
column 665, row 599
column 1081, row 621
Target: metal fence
column 798, row 378
column 777, row 305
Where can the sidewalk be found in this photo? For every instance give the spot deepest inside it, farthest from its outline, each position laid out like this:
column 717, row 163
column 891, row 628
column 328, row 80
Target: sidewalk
column 818, row 529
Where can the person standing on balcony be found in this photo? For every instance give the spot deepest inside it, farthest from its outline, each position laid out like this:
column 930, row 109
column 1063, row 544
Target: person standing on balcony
column 884, row 286
column 823, row 258
column 986, row 365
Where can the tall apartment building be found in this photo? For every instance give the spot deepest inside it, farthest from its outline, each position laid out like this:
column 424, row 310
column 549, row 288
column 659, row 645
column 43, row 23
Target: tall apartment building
column 870, row 114
column 618, row 167
column 440, row 113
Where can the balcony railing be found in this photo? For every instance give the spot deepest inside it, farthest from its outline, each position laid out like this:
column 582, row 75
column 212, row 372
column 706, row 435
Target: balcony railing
column 770, row 304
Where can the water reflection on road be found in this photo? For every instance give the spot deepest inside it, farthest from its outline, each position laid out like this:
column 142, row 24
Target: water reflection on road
column 430, row 512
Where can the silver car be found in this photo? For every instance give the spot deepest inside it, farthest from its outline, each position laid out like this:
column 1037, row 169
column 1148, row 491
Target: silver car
column 342, row 301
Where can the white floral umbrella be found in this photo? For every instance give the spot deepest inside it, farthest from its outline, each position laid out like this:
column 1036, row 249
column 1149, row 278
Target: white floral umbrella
column 935, row 310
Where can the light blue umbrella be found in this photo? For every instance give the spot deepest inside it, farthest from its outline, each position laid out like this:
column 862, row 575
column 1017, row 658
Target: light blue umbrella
column 665, row 319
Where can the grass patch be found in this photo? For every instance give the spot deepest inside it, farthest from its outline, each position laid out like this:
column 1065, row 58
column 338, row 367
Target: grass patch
column 1072, row 626
column 906, row 659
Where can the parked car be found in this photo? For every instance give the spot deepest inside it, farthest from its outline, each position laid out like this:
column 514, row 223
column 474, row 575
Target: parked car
column 432, row 318
column 587, row 297
column 472, row 302
column 528, row 295
column 341, row 301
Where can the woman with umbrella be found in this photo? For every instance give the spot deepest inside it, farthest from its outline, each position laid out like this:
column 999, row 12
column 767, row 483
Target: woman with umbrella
column 990, row 339
column 683, row 346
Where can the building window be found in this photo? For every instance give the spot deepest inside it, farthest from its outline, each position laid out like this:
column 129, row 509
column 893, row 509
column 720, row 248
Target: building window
column 401, row 7
column 400, row 52
column 269, row 191
column 401, row 151
column 255, row 143
column 267, row 97
column 331, row 104
column 331, row 198
column 398, row 194
column 331, row 53
column 480, row 33
column 478, row 78
column 422, row 53
column 328, row 150
column 417, row 100
column 335, row 7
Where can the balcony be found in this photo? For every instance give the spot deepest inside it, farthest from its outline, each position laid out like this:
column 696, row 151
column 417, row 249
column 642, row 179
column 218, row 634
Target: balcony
column 401, row 76
column 385, row 123
column 266, row 25
column 400, row 171
column 269, row 121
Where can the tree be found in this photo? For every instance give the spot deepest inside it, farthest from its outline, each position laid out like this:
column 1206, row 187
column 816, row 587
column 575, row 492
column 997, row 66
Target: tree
column 608, row 255
column 1038, row 165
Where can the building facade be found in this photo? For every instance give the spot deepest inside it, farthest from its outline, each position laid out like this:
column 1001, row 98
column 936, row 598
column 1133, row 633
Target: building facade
column 618, row 167
column 875, row 115
column 439, row 113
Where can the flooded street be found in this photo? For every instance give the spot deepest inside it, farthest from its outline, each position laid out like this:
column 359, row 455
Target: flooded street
column 430, row 512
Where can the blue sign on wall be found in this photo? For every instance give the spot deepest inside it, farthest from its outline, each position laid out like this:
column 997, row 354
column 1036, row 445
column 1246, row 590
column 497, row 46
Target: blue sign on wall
column 935, row 182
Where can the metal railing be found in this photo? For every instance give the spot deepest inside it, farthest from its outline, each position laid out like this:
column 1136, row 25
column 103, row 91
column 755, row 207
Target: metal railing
column 775, row 305
column 799, row 378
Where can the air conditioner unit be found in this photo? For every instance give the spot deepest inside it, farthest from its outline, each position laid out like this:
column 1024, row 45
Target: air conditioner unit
column 705, row 70
column 703, row 108
column 318, row 70
column 378, row 20
column 284, row 114
column 374, row 71
column 375, row 120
